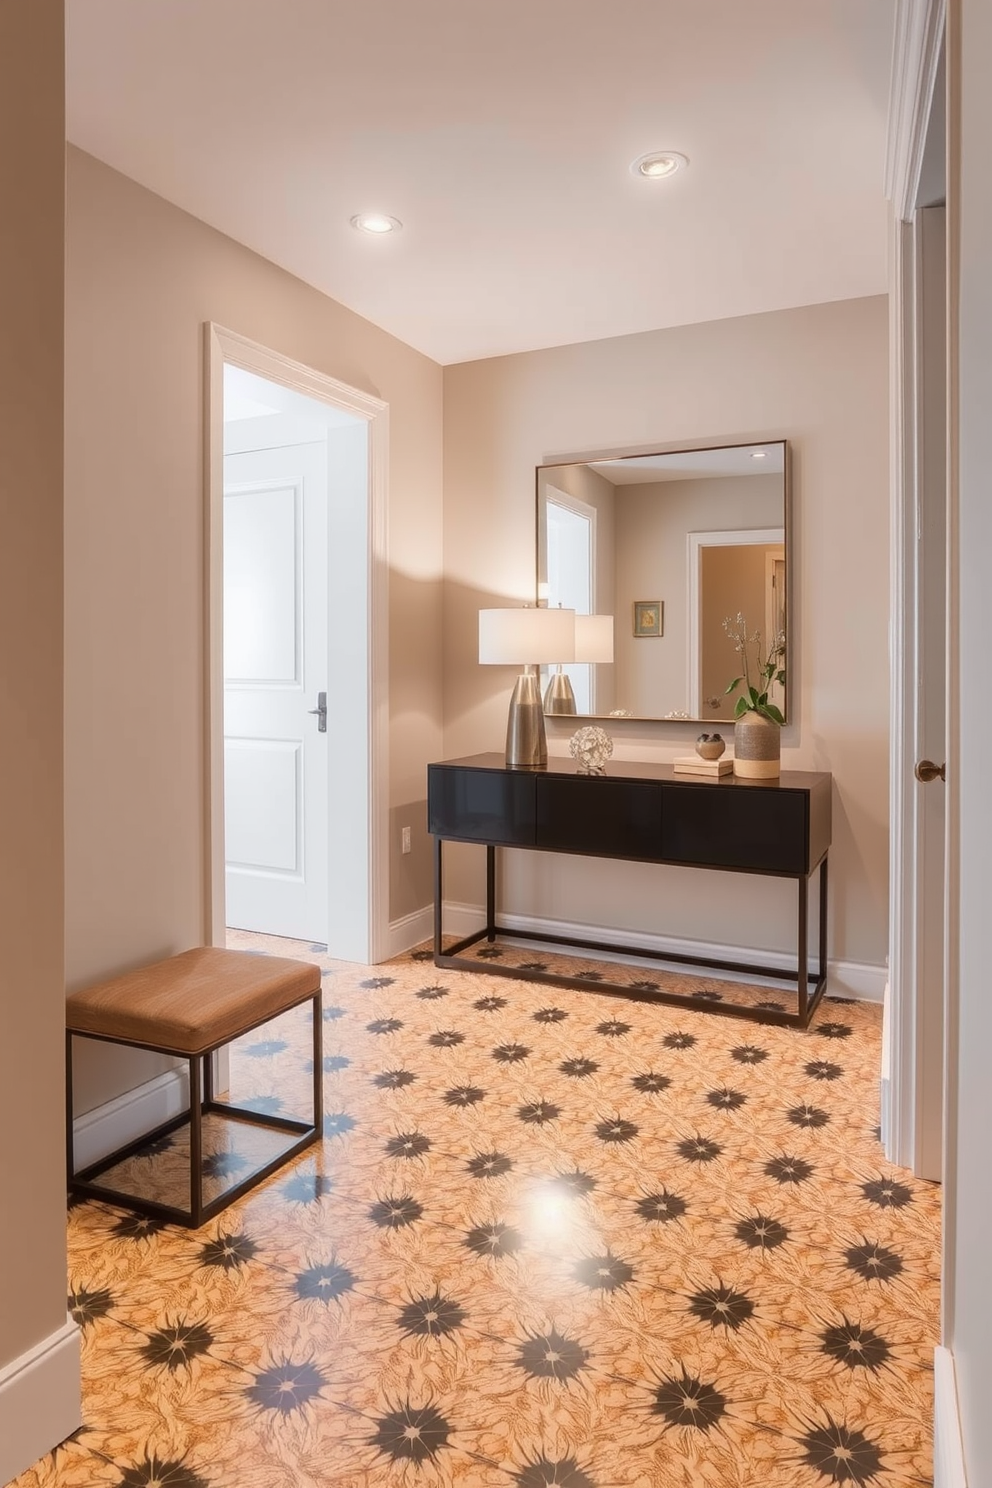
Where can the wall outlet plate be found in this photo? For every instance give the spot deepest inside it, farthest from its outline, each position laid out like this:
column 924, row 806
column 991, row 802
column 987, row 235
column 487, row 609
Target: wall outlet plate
column 405, row 840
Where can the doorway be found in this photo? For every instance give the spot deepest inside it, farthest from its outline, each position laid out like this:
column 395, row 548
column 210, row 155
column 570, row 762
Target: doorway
column 916, row 1014
column 296, row 667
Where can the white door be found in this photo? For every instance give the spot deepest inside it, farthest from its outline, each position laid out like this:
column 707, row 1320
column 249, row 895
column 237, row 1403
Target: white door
column 275, row 668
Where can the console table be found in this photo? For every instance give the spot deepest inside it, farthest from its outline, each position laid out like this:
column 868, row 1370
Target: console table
column 644, row 813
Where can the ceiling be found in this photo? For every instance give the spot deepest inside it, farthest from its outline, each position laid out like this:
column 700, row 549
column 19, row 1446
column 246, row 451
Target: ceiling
column 501, row 134
column 683, row 465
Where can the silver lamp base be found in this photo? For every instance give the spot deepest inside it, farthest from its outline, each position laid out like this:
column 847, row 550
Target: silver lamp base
column 559, row 697
column 526, row 741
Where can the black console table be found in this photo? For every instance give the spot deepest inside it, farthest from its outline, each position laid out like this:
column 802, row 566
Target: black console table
column 645, row 813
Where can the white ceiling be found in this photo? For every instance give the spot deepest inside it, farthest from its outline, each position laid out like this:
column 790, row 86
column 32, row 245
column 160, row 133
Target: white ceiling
column 682, row 465
column 500, row 132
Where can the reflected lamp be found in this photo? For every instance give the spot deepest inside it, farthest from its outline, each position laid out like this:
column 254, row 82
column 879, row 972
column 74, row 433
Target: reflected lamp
column 593, row 642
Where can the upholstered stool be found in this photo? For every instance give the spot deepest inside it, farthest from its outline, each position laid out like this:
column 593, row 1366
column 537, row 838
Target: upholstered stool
column 189, row 1006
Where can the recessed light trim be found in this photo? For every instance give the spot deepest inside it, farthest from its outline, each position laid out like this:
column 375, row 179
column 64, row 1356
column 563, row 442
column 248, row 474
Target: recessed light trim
column 376, row 223
column 659, row 165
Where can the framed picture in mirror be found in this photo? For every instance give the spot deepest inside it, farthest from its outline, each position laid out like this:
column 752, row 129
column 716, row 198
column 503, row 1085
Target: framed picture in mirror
column 649, row 617
column 709, row 528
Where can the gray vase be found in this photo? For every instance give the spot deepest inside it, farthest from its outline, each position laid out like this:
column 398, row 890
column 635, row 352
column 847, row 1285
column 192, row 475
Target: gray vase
column 757, row 747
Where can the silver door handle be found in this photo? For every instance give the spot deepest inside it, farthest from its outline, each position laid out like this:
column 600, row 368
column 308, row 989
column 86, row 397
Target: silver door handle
column 320, row 712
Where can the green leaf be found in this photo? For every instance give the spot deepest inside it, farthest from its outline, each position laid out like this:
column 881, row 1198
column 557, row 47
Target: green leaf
column 780, row 677
column 743, row 706
column 773, row 713
column 753, row 692
column 736, row 683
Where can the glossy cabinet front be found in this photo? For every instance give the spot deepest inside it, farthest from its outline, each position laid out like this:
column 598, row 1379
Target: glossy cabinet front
column 645, row 813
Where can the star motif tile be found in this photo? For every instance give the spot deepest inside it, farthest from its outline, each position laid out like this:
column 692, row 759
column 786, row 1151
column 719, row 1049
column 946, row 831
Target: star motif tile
column 550, row 1239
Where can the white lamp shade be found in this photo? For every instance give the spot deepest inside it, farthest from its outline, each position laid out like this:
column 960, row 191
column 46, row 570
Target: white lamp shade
column 594, row 638
column 526, row 637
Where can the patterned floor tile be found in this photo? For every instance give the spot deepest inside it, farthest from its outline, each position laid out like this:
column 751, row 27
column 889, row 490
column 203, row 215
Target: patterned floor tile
column 550, row 1239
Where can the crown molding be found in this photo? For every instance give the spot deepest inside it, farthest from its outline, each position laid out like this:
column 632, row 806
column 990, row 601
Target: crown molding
column 919, row 35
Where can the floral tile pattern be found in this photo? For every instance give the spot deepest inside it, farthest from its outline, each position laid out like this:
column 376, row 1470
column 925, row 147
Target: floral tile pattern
column 550, row 1239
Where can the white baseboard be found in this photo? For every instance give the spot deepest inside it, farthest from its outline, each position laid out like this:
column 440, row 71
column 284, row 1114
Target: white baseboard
column 107, row 1127
column 39, row 1400
column 411, row 930
column 948, row 1449
column 855, row 979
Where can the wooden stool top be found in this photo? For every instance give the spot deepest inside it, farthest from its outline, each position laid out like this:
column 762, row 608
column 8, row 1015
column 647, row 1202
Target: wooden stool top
column 192, row 1002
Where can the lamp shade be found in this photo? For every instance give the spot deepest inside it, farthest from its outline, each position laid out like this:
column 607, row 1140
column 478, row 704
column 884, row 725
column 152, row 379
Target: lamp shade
column 526, row 637
column 594, row 638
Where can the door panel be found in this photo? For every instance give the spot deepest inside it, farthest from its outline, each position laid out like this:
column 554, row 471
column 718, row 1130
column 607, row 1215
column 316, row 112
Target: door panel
column 275, row 663
column 257, row 771
column 262, row 583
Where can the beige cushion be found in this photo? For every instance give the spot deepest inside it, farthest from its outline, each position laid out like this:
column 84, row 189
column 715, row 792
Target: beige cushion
column 194, row 1001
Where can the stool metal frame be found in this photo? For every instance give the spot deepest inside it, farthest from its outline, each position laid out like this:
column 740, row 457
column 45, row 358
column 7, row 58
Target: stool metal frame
column 202, row 1101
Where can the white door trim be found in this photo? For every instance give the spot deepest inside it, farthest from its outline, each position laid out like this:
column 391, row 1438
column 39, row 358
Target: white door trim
column 919, row 37
column 220, row 346
column 915, row 56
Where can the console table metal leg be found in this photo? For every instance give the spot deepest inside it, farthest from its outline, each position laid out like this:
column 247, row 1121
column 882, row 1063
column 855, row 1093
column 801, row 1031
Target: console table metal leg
column 490, row 893
column 803, row 950
column 823, row 920
column 437, row 896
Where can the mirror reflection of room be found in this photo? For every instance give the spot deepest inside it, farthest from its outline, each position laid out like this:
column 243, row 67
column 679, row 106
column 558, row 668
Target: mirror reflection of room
column 673, row 545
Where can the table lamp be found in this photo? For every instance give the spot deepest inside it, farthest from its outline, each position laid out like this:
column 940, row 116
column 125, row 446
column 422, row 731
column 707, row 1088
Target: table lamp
column 527, row 638
column 593, row 642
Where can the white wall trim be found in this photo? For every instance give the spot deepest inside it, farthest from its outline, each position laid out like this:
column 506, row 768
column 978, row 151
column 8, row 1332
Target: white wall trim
column 39, row 1400
column 101, row 1131
column 915, row 56
column 948, row 1448
column 899, row 1123
column 411, row 930
column 855, row 979
column 222, row 346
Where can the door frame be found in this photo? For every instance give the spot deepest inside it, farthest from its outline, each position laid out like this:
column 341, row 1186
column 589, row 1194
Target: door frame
column 220, row 346
column 741, row 537
column 919, row 36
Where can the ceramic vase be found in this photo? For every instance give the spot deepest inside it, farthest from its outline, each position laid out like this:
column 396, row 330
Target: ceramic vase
column 757, row 747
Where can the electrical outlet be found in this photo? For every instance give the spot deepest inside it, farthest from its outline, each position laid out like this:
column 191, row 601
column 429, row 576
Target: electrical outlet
column 405, row 840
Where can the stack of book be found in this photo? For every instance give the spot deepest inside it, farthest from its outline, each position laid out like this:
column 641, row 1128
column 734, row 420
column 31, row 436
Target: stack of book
column 693, row 764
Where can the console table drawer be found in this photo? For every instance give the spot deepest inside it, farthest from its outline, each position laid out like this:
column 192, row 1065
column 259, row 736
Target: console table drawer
column 761, row 831
column 495, row 806
column 604, row 818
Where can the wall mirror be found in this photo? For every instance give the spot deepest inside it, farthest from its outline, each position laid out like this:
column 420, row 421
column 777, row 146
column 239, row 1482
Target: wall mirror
column 672, row 545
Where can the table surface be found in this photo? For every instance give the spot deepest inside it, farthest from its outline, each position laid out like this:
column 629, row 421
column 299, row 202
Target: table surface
column 618, row 769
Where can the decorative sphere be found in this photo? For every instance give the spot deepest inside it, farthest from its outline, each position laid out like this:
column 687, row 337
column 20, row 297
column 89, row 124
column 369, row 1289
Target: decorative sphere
column 592, row 747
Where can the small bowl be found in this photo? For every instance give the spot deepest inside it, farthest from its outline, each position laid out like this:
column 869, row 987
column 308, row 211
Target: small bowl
column 710, row 746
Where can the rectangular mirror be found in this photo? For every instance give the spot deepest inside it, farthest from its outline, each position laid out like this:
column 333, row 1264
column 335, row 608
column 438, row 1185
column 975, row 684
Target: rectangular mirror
column 676, row 547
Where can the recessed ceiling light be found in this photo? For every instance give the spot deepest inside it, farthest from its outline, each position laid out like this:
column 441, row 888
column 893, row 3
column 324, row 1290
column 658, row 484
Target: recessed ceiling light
column 376, row 222
column 659, row 164
column 758, row 454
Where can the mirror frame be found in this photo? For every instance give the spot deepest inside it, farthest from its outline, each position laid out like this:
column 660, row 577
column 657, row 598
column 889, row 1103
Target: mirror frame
column 545, row 469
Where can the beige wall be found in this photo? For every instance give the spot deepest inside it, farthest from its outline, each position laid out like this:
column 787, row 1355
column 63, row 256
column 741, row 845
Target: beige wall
column 142, row 278
column 816, row 376
column 32, row 174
